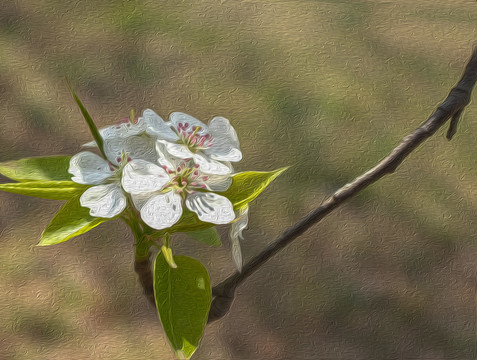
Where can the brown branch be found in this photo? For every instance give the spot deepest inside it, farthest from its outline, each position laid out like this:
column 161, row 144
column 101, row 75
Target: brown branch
column 451, row 107
column 144, row 272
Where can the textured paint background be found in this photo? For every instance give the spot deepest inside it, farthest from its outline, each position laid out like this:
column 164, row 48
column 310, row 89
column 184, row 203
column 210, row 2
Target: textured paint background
column 329, row 87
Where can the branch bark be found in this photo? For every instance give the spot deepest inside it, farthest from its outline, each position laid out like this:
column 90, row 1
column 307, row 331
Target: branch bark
column 451, row 108
column 144, row 272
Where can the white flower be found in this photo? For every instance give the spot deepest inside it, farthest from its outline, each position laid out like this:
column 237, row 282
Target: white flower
column 185, row 137
column 159, row 192
column 122, row 142
column 106, row 199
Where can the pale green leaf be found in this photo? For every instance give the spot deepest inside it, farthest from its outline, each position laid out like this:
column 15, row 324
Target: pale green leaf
column 55, row 190
column 183, row 297
column 52, row 168
column 70, row 221
column 246, row 186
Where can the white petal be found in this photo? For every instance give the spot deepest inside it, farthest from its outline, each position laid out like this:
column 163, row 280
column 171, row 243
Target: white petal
column 140, row 199
column 120, row 131
column 90, row 144
column 123, row 130
column 178, row 117
column 89, row 168
column 141, row 176
column 233, row 154
column 137, row 147
column 158, row 127
column 162, row 211
column 237, row 254
column 226, row 145
column 164, row 158
column 178, row 150
column 104, row 201
column 236, row 230
column 211, row 207
column 240, row 223
column 218, row 182
column 210, row 166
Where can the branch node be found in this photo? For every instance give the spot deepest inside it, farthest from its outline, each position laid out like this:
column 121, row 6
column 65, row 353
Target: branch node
column 453, row 124
column 224, row 297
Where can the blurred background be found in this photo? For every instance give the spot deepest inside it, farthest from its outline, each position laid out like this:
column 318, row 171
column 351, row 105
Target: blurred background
column 329, row 87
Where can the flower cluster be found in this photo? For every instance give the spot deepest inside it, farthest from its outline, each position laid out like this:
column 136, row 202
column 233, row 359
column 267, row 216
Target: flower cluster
column 160, row 166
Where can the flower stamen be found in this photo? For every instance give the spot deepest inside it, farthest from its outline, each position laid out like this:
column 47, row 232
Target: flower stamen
column 191, row 137
column 185, row 177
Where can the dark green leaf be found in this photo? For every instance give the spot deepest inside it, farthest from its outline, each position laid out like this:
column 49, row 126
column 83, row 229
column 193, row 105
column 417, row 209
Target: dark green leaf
column 183, row 297
column 208, row 236
column 55, row 190
column 188, row 222
column 53, row 168
column 72, row 220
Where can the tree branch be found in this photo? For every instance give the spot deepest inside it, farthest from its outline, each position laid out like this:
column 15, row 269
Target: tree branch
column 452, row 107
column 144, row 272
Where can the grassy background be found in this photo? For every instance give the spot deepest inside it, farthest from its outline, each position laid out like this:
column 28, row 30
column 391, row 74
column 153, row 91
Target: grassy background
column 329, row 87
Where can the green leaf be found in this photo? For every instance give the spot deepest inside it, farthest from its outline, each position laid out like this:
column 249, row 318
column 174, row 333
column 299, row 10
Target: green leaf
column 183, row 298
column 55, row 190
column 246, row 186
column 188, row 222
column 54, row 168
column 208, row 236
column 70, row 221
column 89, row 120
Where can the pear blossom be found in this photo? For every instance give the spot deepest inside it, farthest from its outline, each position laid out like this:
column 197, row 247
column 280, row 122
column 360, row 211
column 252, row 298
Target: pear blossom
column 161, row 202
column 106, row 198
column 185, row 137
column 123, row 142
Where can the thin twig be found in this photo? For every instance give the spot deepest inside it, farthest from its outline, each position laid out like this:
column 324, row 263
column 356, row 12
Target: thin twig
column 451, row 107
